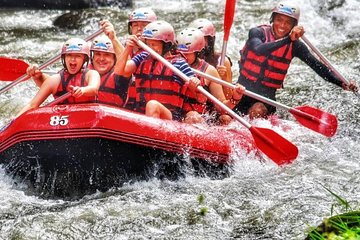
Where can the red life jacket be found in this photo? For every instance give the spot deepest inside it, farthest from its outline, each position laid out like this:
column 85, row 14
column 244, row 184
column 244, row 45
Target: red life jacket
column 155, row 81
column 190, row 103
column 109, row 91
column 270, row 70
column 74, row 80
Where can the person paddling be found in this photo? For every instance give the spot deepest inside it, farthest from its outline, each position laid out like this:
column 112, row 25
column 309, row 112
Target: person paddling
column 103, row 54
column 210, row 55
column 159, row 92
column 75, row 77
column 190, row 43
column 267, row 55
column 105, row 50
column 138, row 20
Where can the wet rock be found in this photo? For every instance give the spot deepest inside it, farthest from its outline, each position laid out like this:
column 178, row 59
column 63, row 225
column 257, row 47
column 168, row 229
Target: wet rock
column 78, row 18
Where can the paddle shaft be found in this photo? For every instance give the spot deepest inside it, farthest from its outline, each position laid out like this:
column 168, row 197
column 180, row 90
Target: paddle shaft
column 228, row 20
column 58, row 100
column 50, row 72
column 324, row 59
column 326, row 62
column 260, row 98
column 44, row 65
column 186, row 78
column 223, row 53
column 247, row 93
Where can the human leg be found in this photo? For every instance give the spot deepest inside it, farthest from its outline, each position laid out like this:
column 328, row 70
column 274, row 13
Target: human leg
column 155, row 109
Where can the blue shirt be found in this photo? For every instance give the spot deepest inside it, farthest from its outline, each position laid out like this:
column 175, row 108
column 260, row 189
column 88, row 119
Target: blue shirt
column 179, row 63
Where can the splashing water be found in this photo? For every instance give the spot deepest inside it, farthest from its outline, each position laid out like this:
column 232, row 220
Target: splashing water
column 259, row 200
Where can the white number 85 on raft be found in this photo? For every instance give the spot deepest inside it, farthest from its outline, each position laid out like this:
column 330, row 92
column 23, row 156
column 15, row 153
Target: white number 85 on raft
column 59, row 120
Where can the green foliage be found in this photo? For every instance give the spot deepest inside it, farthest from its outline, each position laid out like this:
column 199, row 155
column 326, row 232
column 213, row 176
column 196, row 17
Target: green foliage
column 195, row 216
column 201, row 198
column 340, row 201
column 344, row 226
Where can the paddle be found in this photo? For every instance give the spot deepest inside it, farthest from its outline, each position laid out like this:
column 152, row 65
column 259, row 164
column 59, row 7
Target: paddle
column 310, row 117
column 15, row 68
column 12, row 68
column 58, row 100
column 228, row 20
column 277, row 148
column 44, row 65
column 327, row 63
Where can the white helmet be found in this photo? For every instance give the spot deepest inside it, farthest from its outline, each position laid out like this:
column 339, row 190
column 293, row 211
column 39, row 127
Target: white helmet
column 159, row 30
column 75, row 45
column 288, row 9
column 102, row 44
column 205, row 26
column 190, row 40
column 142, row 15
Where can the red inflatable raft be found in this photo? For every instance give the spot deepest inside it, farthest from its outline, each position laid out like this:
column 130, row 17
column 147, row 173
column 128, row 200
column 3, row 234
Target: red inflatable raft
column 70, row 150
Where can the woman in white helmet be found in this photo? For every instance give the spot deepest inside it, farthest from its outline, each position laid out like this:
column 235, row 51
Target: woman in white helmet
column 159, row 92
column 210, row 55
column 75, row 77
column 267, row 55
column 190, row 42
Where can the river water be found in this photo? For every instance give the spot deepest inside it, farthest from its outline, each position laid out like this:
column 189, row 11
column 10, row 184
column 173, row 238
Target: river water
column 259, row 200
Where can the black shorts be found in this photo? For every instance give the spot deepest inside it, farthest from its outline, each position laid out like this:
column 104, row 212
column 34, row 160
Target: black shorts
column 256, row 87
column 247, row 102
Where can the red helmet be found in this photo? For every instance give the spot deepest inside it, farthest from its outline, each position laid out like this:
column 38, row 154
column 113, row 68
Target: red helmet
column 205, row 26
column 142, row 15
column 190, row 40
column 288, row 9
column 102, row 44
column 159, row 30
column 76, row 45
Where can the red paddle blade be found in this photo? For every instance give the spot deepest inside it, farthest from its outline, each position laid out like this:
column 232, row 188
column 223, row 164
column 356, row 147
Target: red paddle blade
column 277, row 148
column 11, row 69
column 316, row 120
column 229, row 17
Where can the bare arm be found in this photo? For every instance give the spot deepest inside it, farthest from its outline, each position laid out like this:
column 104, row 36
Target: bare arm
column 225, row 73
column 109, row 30
column 93, row 80
column 125, row 67
column 217, row 90
column 35, row 73
column 48, row 87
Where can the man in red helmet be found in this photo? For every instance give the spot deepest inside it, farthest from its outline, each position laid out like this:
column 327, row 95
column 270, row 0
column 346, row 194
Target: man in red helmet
column 267, row 55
